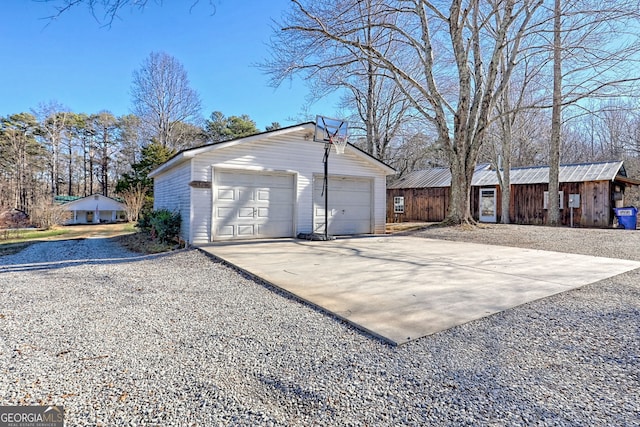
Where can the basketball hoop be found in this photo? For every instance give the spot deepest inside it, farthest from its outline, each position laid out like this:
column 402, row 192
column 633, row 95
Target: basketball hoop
column 340, row 142
column 330, row 132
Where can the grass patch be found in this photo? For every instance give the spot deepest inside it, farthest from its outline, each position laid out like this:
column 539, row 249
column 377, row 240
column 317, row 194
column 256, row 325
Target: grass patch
column 14, row 236
column 400, row 227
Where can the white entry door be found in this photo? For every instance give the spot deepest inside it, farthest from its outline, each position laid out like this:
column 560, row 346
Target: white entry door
column 488, row 205
column 251, row 205
column 350, row 205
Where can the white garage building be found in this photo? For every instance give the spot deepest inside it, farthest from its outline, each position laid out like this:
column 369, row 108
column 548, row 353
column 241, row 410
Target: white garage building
column 270, row 185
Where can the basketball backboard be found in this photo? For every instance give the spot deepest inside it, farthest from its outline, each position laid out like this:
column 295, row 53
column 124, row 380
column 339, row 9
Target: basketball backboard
column 328, row 129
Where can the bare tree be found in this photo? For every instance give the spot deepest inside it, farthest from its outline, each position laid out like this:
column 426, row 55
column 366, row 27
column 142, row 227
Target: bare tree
column 20, row 159
column 414, row 149
column 106, row 11
column 453, row 79
column 508, row 124
column 47, row 214
column 376, row 107
column 105, row 127
column 163, row 99
column 134, row 199
column 614, row 129
column 595, row 45
column 553, row 217
column 54, row 120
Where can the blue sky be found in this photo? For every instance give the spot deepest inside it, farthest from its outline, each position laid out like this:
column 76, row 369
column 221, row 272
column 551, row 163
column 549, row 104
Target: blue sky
column 86, row 67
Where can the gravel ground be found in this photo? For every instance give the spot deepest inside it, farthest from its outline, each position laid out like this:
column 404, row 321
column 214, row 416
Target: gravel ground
column 178, row 339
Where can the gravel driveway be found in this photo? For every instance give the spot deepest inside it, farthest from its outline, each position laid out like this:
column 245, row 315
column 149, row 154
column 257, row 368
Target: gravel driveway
column 178, row 339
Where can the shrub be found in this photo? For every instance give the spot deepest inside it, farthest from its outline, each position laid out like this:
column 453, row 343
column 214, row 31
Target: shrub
column 46, row 214
column 144, row 222
column 163, row 225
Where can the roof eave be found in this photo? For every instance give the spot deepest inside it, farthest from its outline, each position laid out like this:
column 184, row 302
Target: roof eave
column 177, row 159
column 192, row 152
column 626, row 180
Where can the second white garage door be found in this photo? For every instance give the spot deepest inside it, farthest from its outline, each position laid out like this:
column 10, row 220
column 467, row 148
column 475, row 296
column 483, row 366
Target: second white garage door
column 349, row 205
column 251, row 205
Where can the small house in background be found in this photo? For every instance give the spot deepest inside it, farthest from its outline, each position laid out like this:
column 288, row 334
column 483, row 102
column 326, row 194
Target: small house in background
column 92, row 209
column 588, row 194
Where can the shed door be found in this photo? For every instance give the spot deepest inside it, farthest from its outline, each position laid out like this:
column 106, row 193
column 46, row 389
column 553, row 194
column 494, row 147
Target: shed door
column 488, row 205
column 249, row 205
column 350, row 205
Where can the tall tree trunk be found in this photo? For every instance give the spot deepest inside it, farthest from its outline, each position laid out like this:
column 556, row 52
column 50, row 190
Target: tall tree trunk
column 90, row 172
column 462, row 168
column 503, row 166
column 70, row 171
column 105, row 172
column 370, row 126
column 370, row 106
column 506, row 184
column 84, row 166
column 553, row 211
column 22, row 165
column 54, row 172
column 104, row 164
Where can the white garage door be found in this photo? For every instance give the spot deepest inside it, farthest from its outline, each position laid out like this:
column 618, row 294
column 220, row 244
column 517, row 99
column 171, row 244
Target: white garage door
column 350, row 205
column 250, row 205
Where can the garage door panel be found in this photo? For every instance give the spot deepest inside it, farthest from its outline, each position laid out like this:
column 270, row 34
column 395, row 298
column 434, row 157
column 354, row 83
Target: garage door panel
column 350, row 205
column 226, row 231
column 223, row 212
column 246, row 230
column 245, row 194
column 274, row 181
column 277, row 196
column 226, row 194
column 274, row 228
column 246, row 213
column 259, row 206
column 235, row 179
column 355, row 199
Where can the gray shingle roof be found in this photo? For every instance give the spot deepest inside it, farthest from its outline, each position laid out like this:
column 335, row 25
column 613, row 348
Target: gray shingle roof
column 441, row 177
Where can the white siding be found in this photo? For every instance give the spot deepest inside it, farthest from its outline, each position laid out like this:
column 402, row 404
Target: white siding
column 200, row 215
column 171, row 191
column 287, row 153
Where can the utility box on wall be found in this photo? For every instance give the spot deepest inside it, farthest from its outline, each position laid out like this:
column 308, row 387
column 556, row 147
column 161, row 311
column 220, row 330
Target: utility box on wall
column 574, row 200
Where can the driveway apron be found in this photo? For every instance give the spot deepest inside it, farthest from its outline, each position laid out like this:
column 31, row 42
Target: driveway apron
column 401, row 288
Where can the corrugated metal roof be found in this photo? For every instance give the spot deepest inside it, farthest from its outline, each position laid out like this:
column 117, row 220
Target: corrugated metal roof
column 434, row 177
column 441, row 177
column 430, row 178
column 65, row 199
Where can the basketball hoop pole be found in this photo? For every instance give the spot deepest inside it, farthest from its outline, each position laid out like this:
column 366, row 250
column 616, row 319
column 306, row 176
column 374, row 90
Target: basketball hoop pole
column 327, row 150
column 331, row 132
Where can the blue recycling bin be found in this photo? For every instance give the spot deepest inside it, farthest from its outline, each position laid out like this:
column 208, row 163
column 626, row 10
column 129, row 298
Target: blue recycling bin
column 627, row 217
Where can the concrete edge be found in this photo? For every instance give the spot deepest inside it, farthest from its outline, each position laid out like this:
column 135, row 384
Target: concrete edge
column 259, row 280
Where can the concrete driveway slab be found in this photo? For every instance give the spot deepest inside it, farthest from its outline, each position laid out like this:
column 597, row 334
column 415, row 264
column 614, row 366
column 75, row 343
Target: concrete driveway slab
column 401, row 288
